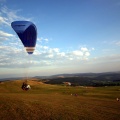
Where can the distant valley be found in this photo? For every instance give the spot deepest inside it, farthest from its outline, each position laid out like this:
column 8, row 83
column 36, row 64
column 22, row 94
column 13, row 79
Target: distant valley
column 84, row 79
column 79, row 79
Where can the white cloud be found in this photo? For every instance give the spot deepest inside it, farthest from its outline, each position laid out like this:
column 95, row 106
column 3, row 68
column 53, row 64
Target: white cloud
column 62, row 54
column 70, row 58
column 41, row 39
column 50, row 55
column 14, row 57
column 45, row 47
column 78, row 53
column 4, row 34
column 36, row 52
column 87, row 54
column 13, row 54
column 56, row 55
column 84, row 49
column 4, row 20
column 3, row 38
column 56, row 50
column 8, row 16
column 53, row 50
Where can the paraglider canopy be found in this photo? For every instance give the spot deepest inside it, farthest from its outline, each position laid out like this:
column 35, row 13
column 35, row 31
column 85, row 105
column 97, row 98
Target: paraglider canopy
column 27, row 32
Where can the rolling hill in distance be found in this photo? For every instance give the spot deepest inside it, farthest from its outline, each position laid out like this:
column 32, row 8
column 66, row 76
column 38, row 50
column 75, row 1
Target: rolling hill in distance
column 79, row 79
column 80, row 75
column 84, row 79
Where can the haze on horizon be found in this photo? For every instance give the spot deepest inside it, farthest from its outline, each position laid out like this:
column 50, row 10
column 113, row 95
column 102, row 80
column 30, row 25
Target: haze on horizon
column 74, row 36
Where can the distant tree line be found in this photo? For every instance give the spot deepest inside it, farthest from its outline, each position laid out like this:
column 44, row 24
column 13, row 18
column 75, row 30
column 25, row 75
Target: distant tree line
column 84, row 81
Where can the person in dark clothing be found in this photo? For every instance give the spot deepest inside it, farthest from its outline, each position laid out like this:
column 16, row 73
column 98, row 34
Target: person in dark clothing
column 24, row 85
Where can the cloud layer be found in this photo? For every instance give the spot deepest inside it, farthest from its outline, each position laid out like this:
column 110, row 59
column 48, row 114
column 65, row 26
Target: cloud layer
column 13, row 55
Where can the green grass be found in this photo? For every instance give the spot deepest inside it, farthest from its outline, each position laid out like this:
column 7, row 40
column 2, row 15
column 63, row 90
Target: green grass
column 55, row 102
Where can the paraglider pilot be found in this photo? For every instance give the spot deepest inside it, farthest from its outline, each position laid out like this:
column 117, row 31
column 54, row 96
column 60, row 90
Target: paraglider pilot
column 25, row 86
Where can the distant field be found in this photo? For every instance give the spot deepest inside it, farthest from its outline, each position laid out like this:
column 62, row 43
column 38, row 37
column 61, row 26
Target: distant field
column 57, row 102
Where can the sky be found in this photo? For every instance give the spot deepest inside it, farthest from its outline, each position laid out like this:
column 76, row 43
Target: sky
column 73, row 36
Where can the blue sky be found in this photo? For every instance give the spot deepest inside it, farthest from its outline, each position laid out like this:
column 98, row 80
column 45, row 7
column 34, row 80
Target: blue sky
column 74, row 36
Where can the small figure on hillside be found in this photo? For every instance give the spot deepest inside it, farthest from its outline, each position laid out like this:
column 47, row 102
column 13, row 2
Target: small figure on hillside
column 25, row 86
column 118, row 99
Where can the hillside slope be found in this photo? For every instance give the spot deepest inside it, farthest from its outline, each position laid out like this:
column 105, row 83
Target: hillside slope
column 55, row 102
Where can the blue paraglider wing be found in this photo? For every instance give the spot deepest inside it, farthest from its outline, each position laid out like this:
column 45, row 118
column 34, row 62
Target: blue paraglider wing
column 27, row 32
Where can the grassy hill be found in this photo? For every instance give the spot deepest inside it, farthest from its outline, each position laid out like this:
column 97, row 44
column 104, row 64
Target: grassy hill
column 58, row 102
